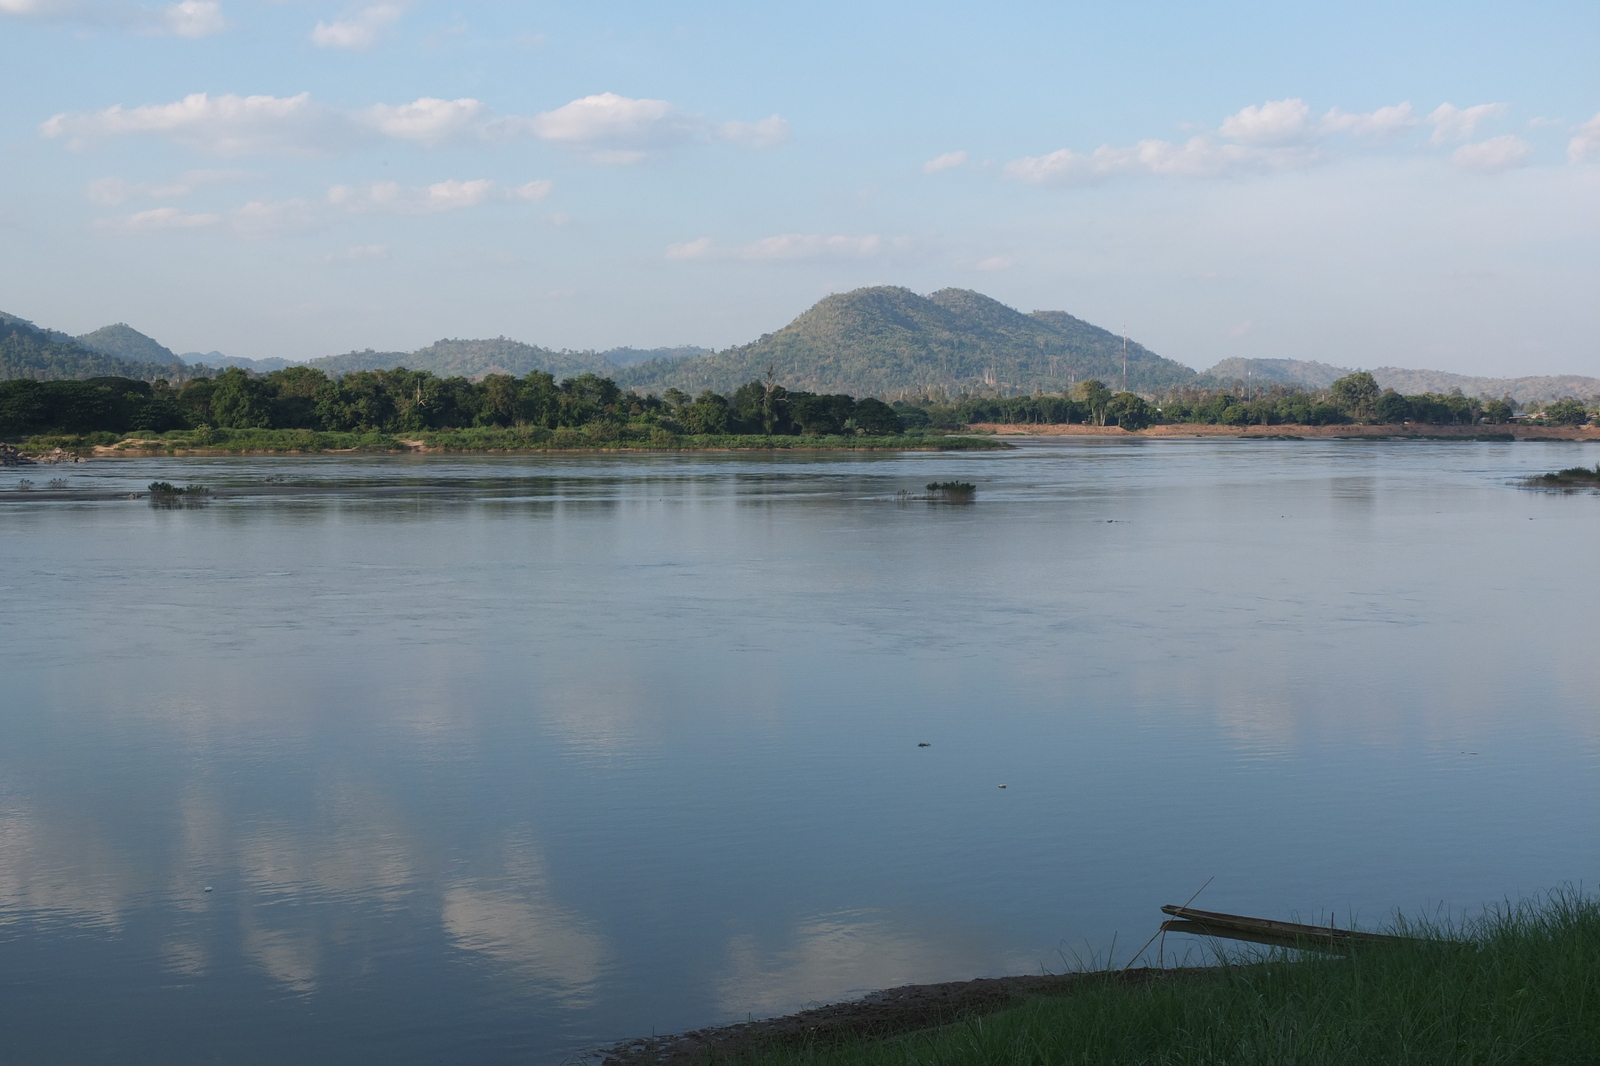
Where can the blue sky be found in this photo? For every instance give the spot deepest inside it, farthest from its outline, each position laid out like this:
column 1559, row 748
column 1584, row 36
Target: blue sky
column 1365, row 184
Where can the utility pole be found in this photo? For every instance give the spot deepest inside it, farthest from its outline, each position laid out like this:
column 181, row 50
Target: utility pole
column 1124, row 357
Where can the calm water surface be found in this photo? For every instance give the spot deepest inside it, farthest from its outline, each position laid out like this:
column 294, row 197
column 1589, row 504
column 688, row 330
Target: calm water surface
column 520, row 755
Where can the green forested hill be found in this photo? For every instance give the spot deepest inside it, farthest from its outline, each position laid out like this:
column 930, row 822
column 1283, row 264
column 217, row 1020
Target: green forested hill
column 125, row 342
column 27, row 351
column 890, row 341
column 472, row 358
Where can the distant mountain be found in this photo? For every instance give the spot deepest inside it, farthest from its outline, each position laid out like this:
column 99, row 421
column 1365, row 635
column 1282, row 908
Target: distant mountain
column 630, row 356
column 125, row 342
column 26, row 351
column 1400, row 379
column 218, row 361
column 886, row 341
column 1272, row 372
column 472, row 358
column 890, row 341
column 1523, row 390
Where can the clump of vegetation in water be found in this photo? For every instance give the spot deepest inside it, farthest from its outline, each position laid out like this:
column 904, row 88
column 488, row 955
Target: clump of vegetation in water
column 1573, row 476
column 1519, row 985
column 953, row 488
column 167, row 488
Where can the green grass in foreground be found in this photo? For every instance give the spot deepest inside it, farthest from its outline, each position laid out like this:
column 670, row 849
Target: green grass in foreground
column 1521, row 985
column 519, row 439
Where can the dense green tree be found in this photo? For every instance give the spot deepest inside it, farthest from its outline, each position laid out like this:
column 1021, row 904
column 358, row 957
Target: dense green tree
column 1094, row 395
column 710, row 413
column 1356, row 394
column 160, row 412
column 876, row 417
column 1567, row 412
column 1128, row 411
column 1498, row 411
column 821, row 415
column 1392, row 408
column 240, row 401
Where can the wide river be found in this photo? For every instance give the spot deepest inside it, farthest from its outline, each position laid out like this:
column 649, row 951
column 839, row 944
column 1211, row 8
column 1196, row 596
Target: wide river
column 495, row 759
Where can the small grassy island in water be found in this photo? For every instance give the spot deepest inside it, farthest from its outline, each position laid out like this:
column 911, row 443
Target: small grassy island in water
column 1574, row 477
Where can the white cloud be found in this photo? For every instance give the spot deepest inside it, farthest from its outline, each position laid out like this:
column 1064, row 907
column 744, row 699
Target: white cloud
column 533, row 190
column 615, row 129
column 226, row 125
column 159, row 220
column 785, row 246
column 1379, row 125
column 1275, row 136
column 607, row 128
column 1274, row 122
column 1585, row 142
column 108, row 192
column 995, row 262
column 699, row 248
column 186, row 18
column 274, row 218
column 948, row 161
column 428, row 120
column 1199, row 157
column 770, row 131
column 451, row 195
column 1452, row 123
column 1492, row 156
column 195, row 18
column 359, row 32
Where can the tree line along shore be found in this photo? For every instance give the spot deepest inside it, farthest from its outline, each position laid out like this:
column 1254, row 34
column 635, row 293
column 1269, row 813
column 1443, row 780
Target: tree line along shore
column 302, row 408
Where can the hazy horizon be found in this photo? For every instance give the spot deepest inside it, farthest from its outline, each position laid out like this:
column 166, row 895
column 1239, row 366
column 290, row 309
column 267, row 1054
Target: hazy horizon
column 1361, row 186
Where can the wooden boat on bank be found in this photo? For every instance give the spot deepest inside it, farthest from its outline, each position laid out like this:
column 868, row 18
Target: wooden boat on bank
column 1266, row 931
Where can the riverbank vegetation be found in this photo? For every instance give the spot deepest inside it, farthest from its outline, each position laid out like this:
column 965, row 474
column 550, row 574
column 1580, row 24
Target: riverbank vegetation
column 303, row 409
column 1519, row 985
column 208, row 441
column 1574, row 477
column 1355, row 398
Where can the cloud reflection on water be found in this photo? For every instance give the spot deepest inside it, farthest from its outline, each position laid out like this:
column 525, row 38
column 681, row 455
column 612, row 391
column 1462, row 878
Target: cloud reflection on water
column 834, row 956
column 516, row 921
column 63, row 873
